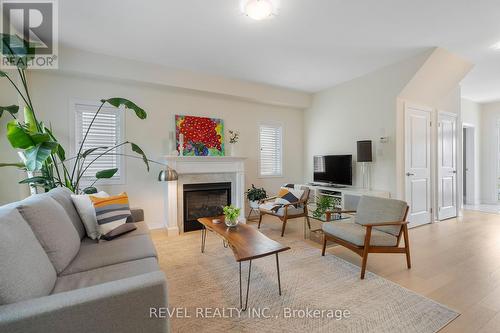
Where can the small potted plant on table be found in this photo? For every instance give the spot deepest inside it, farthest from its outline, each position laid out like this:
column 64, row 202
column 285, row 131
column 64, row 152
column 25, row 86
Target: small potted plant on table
column 231, row 214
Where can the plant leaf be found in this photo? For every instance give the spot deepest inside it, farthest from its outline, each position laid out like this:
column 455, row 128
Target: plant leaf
column 91, row 150
column 106, row 174
column 17, row 165
column 36, row 180
column 29, row 119
column 139, row 151
column 12, row 109
column 118, row 101
column 39, row 137
column 60, row 150
column 18, row 136
column 90, row 190
column 36, row 155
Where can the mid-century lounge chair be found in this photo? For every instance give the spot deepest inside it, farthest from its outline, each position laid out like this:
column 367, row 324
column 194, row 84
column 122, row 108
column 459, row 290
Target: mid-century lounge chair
column 376, row 227
column 285, row 212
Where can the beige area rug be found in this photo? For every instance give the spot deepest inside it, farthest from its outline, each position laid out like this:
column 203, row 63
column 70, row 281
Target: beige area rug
column 206, row 285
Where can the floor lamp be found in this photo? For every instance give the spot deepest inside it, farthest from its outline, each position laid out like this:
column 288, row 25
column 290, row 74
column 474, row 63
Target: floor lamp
column 365, row 158
column 167, row 175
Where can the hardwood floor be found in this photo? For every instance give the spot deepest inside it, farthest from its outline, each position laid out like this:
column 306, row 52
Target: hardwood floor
column 455, row 262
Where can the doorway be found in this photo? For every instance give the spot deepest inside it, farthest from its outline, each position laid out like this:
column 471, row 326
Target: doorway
column 418, row 164
column 447, row 166
column 469, row 169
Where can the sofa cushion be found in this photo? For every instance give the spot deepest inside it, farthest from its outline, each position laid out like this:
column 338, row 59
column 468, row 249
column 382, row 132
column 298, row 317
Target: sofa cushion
column 63, row 196
column 378, row 210
column 355, row 233
column 142, row 229
column 94, row 255
column 105, row 274
column 86, row 210
column 53, row 229
column 25, row 269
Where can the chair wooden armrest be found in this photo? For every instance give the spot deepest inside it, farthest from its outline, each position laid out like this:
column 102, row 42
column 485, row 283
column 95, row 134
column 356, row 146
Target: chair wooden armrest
column 344, row 211
column 382, row 224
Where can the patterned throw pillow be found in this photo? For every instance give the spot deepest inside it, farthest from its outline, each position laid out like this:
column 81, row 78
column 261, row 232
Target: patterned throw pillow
column 111, row 212
column 288, row 195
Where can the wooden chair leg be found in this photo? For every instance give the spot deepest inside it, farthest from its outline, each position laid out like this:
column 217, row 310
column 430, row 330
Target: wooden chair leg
column 407, row 245
column 324, row 245
column 260, row 220
column 365, row 251
column 283, row 227
column 308, row 222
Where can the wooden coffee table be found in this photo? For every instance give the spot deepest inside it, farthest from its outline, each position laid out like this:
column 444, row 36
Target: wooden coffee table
column 247, row 244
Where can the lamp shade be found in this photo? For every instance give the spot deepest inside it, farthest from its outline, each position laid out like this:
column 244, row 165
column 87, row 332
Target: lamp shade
column 167, row 175
column 365, row 151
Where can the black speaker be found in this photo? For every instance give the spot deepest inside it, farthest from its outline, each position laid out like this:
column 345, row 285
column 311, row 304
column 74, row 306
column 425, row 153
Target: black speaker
column 365, row 151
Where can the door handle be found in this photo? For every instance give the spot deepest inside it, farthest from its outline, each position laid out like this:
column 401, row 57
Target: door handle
column 454, row 171
column 410, row 174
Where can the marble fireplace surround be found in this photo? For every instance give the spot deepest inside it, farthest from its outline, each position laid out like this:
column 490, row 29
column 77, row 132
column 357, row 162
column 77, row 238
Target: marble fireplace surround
column 201, row 169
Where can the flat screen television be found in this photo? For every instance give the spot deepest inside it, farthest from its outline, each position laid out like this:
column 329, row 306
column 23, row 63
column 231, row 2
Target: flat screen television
column 333, row 169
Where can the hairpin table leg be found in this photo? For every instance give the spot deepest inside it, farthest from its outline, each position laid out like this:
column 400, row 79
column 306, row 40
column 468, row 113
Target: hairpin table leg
column 203, row 239
column 278, row 269
column 248, row 287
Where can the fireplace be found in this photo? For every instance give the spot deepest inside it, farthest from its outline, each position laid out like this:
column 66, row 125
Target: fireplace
column 202, row 200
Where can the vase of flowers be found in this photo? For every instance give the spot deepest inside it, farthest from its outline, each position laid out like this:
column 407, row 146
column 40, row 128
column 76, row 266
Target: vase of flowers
column 234, row 137
column 255, row 195
column 231, row 214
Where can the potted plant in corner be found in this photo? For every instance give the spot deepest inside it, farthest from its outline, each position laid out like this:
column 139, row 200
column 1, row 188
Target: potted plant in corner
column 255, row 195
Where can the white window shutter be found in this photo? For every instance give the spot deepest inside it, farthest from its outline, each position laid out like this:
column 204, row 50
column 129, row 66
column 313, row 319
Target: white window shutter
column 271, row 150
column 106, row 131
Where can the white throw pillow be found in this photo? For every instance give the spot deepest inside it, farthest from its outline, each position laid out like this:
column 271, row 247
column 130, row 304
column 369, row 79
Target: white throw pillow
column 86, row 211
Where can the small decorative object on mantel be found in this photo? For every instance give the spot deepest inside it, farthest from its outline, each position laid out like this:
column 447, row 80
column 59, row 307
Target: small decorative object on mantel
column 234, row 137
column 199, row 136
column 231, row 214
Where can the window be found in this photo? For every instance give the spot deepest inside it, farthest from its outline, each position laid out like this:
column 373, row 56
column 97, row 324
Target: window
column 107, row 131
column 271, row 150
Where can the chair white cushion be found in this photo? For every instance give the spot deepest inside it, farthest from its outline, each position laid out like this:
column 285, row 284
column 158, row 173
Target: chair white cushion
column 380, row 210
column 268, row 206
column 355, row 233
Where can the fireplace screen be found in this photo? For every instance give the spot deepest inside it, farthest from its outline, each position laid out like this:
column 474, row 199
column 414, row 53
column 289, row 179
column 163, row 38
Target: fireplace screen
column 204, row 200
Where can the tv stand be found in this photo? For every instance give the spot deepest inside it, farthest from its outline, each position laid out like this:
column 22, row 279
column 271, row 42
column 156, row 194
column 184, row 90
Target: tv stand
column 346, row 197
column 336, row 186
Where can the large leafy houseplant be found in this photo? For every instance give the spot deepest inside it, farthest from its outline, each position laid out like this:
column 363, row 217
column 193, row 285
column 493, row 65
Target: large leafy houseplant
column 43, row 157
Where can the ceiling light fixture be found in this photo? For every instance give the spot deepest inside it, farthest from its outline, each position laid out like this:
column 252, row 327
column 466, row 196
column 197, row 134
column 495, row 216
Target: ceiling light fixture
column 259, row 9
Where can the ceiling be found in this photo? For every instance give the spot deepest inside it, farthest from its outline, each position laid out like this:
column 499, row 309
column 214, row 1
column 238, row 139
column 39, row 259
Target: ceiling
column 308, row 46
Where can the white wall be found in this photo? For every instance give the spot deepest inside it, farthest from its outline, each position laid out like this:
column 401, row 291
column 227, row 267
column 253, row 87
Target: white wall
column 360, row 109
column 52, row 93
column 471, row 116
column 489, row 137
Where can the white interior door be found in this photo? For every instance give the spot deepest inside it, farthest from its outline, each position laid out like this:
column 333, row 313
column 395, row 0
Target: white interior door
column 447, row 166
column 418, row 164
column 469, row 165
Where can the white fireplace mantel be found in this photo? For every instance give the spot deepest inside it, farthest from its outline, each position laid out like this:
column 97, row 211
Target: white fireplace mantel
column 202, row 165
